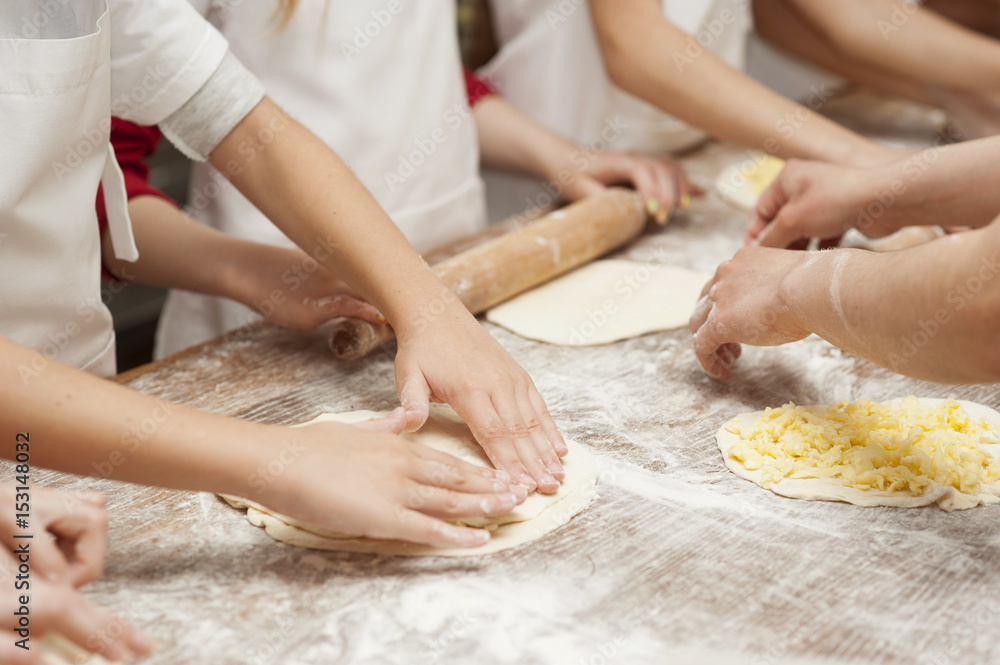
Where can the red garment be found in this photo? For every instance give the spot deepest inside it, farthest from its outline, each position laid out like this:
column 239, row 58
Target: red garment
column 132, row 143
column 476, row 88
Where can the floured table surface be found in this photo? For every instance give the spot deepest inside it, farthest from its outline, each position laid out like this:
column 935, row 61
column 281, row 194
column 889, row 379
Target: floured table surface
column 677, row 561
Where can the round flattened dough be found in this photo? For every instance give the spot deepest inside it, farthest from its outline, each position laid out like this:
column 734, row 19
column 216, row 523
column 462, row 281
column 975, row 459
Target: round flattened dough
column 832, row 489
column 537, row 516
column 603, row 302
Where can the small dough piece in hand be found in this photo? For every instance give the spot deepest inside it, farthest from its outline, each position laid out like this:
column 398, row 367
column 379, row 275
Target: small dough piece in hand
column 906, row 453
column 602, row 302
column 444, row 431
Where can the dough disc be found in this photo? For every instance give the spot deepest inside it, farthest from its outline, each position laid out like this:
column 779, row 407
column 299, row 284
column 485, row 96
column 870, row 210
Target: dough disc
column 603, row 302
column 832, row 489
column 537, row 516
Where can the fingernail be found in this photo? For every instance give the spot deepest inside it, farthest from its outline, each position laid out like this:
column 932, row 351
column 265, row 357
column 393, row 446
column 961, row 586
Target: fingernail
column 548, row 480
column 514, row 499
column 528, row 482
column 502, row 475
column 685, row 201
column 479, row 537
column 661, row 217
column 557, row 471
column 520, row 493
column 380, row 317
column 652, row 206
column 501, row 487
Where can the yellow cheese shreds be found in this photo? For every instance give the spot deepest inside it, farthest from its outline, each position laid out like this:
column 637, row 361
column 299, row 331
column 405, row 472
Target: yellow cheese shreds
column 765, row 172
column 900, row 448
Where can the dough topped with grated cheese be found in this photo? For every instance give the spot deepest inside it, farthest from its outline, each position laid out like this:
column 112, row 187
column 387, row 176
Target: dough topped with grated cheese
column 906, row 452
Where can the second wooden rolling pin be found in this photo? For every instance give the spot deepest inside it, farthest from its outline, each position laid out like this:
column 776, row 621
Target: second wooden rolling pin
column 494, row 271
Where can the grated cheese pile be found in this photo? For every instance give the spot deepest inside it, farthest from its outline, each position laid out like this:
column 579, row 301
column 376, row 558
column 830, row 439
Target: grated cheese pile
column 901, row 446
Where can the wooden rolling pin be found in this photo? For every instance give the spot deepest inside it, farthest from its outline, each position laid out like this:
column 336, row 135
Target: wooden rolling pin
column 500, row 268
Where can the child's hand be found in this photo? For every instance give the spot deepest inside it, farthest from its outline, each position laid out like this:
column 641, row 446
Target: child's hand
column 660, row 180
column 450, row 358
column 367, row 481
column 288, row 288
column 76, row 522
column 60, row 608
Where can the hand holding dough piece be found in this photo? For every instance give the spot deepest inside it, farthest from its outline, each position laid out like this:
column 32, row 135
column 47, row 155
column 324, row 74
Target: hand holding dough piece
column 835, row 488
column 603, row 302
column 537, row 516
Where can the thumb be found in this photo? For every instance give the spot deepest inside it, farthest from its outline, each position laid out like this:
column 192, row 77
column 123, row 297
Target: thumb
column 392, row 423
column 415, row 396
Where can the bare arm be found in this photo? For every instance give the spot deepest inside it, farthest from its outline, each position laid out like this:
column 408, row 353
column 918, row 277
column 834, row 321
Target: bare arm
column 286, row 286
column 646, row 55
column 931, row 312
column 444, row 354
column 951, row 185
column 511, row 141
column 85, row 425
column 907, row 40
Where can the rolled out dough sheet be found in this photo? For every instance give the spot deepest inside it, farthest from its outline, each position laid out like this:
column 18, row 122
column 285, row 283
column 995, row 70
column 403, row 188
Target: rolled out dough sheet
column 832, row 489
column 537, row 516
column 603, row 302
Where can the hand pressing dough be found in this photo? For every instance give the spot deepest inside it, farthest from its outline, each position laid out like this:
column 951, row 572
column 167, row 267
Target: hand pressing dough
column 835, row 488
column 537, row 516
column 603, row 302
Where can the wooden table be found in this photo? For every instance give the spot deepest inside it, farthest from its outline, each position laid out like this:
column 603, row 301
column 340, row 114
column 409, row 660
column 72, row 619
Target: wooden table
column 677, row 561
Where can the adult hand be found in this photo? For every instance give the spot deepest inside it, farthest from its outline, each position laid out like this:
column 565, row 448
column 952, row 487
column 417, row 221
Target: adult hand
column 815, row 200
column 745, row 303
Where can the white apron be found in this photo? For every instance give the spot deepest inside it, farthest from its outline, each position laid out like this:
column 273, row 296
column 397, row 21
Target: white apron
column 384, row 90
column 55, row 99
column 550, row 67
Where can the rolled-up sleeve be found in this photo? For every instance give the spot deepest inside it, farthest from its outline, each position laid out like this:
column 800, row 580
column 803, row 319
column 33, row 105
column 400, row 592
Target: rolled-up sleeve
column 171, row 67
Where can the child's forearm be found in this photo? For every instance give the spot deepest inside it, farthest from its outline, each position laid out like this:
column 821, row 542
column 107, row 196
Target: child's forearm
column 311, row 195
column 649, row 57
column 908, row 40
column 175, row 251
column 511, row 141
column 81, row 424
